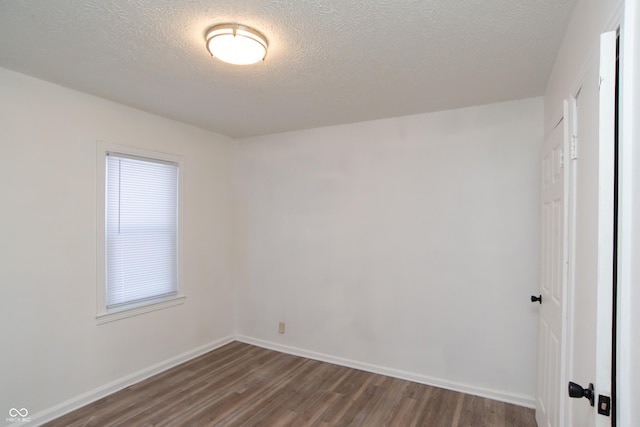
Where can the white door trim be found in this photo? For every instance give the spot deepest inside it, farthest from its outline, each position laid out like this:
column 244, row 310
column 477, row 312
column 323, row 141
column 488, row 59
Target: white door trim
column 628, row 342
column 603, row 304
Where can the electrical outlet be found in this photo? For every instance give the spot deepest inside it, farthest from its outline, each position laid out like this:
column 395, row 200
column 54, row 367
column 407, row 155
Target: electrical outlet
column 281, row 328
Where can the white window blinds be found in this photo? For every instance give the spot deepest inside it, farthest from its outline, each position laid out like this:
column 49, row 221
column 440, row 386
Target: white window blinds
column 141, row 228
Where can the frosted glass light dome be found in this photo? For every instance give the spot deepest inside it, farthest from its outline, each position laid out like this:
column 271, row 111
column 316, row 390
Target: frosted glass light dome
column 236, row 44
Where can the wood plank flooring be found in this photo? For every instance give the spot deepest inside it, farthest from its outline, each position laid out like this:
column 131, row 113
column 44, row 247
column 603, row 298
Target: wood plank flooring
column 244, row 385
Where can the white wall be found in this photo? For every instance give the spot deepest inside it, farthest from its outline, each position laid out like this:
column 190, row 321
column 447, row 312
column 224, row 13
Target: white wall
column 52, row 349
column 405, row 245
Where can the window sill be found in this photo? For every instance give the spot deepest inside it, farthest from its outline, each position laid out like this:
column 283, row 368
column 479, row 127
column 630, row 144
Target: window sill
column 137, row 309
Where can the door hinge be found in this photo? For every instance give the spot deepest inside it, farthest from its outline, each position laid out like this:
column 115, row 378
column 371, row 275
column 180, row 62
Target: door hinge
column 604, row 405
column 561, row 159
column 573, row 147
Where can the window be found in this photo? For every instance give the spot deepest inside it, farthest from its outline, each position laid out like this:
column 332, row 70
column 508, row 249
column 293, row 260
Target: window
column 138, row 232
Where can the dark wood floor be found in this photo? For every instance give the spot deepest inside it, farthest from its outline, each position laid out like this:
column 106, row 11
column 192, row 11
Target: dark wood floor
column 244, row 385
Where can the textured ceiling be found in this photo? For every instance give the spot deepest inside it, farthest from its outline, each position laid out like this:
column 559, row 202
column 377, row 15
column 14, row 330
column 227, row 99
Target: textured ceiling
column 329, row 61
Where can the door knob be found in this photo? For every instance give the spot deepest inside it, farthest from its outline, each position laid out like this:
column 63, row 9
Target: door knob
column 577, row 391
column 536, row 298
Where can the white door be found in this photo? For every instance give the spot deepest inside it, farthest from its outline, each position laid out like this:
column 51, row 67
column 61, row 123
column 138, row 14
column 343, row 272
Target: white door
column 553, row 279
column 591, row 235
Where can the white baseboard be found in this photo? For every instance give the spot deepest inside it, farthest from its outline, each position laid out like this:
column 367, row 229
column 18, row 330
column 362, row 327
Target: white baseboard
column 514, row 398
column 114, row 386
column 109, row 388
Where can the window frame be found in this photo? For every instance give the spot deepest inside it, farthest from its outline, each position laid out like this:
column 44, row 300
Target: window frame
column 104, row 314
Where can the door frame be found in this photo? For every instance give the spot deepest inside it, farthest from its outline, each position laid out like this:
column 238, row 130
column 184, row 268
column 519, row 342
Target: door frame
column 628, row 349
column 605, row 270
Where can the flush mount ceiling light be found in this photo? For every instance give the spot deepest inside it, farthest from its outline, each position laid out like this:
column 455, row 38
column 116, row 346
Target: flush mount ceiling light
column 236, row 44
